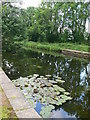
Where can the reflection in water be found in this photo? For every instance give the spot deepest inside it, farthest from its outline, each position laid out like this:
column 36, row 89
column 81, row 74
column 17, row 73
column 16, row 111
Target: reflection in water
column 73, row 71
column 88, row 70
column 38, row 107
column 61, row 114
column 83, row 76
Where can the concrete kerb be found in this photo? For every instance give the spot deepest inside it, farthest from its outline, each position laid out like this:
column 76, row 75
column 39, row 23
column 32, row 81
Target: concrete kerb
column 0, row 102
column 76, row 53
column 21, row 107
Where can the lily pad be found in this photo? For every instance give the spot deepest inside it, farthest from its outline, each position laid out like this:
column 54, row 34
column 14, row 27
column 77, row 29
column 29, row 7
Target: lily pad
column 57, row 77
column 69, row 98
column 52, row 81
column 42, row 89
column 48, row 84
column 35, row 75
column 61, row 89
column 36, row 90
column 32, row 103
column 62, row 100
column 39, row 66
column 32, row 84
column 42, row 77
column 29, row 96
column 39, row 78
column 64, row 97
column 26, row 85
column 51, row 89
column 60, row 81
column 17, row 85
column 48, row 76
column 56, row 87
column 45, row 111
column 66, row 93
column 30, row 76
column 59, row 103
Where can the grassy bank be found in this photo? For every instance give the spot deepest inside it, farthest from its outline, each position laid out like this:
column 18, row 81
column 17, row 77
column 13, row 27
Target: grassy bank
column 6, row 110
column 57, row 47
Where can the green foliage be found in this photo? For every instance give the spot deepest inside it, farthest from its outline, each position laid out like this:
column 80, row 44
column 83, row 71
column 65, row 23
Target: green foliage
column 6, row 110
column 50, row 22
column 44, row 90
column 54, row 47
column 46, row 111
column 13, row 28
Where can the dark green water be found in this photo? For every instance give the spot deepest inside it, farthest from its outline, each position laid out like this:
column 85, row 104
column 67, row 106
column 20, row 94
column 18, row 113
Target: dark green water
column 73, row 71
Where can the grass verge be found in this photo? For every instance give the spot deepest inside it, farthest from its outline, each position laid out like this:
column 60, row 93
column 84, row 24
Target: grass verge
column 6, row 110
column 55, row 47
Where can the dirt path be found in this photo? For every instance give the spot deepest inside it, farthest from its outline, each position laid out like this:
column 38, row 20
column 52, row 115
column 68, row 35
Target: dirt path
column 6, row 110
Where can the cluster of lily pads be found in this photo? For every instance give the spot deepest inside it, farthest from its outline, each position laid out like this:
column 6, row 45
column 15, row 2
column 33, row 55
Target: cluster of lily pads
column 44, row 90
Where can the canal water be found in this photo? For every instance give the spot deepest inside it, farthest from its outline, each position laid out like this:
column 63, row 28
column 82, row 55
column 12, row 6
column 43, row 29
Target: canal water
column 72, row 70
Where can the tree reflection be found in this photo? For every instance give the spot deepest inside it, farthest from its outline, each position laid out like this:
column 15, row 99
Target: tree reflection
column 73, row 71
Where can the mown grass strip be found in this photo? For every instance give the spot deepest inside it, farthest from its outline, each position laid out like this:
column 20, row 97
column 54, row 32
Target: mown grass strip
column 57, row 47
column 6, row 110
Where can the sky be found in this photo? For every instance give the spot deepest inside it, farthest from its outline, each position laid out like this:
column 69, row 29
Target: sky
column 28, row 3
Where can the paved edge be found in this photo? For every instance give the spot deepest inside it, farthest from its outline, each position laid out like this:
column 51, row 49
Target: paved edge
column 76, row 53
column 0, row 102
column 21, row 107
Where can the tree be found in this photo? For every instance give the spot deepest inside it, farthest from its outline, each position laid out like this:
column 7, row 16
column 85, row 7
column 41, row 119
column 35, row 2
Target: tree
column 13, row 28
column 50, row 22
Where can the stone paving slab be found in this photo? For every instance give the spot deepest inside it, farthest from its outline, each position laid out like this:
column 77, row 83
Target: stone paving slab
column 29, row 113
column 8, row 86
column 19, row 104
column 13, row 94
column 0, row 98
column 3, row 78
column 0, row 102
